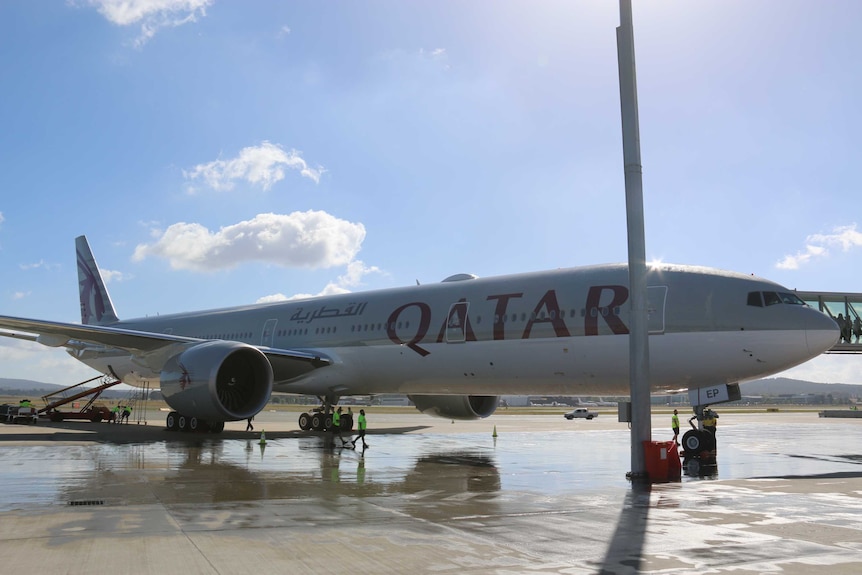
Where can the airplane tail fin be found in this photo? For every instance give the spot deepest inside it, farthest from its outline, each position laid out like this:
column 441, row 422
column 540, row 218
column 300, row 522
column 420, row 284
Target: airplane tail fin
column 96, row 306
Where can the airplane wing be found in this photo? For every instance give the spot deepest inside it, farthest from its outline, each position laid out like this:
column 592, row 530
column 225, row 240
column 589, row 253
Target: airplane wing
column 286, row 364
column 57, row 334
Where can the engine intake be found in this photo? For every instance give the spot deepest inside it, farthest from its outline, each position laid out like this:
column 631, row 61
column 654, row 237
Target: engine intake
column 218, row 381
column 456, row 406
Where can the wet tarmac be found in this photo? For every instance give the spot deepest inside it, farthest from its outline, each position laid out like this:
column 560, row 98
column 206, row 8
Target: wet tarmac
column 545, row 496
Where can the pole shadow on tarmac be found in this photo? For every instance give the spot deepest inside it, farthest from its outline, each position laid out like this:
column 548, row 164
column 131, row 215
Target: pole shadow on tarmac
column 627, row 544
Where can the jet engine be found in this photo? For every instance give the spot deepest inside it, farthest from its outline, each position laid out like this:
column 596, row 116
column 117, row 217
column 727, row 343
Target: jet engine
column 217, row 381
column 456, row 406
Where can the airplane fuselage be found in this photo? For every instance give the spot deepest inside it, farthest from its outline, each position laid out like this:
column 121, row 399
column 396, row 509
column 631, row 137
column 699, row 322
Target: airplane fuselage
column 560, row 332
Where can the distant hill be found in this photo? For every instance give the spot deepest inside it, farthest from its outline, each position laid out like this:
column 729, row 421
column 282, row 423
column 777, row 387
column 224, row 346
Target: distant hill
column 35, row 389
column 787, row 386
column 27, row 385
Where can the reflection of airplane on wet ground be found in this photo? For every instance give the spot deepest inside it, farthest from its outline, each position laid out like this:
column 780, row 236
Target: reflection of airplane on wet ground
column 243, row 471
column 454, row 347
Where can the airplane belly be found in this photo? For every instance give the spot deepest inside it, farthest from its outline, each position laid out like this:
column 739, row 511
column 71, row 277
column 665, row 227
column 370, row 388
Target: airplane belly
column 560, row 366
column 694, row 360
column 597, row 365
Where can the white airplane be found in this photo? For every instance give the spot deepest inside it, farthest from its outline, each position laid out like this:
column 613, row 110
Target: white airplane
column 454, row 347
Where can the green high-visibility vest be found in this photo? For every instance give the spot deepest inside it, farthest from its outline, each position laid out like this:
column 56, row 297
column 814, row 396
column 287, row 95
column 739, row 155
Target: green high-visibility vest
column 336, row 418
column 362, row 423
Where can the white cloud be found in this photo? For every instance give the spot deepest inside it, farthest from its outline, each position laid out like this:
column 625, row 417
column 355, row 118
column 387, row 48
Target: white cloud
column 41, row 264
column 28, row 360
column 20, row 294
column 272, row 298
column 311, row 239
column 2, row 219
column 818, row 245
column 356, row 270
column 11, row 350
column 262, row 165
column 845, row 237
column 153, row 15
column 330, row 289
column 801, row 258
column 113, row 276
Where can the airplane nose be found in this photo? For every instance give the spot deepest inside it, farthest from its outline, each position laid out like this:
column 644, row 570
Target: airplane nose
column 821, row 332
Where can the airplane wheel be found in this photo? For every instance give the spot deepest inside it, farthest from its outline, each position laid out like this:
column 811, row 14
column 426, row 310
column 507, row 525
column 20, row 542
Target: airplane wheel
column 346, row 422
column 171, row 421
column 304, row 421
column 216, row 426
column 183, row 423
column 317, row 422
column 693, row 442
column 194, row 424
column 327, row 422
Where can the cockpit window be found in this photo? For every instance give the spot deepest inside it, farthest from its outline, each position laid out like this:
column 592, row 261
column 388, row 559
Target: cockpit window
column 759, row 299
column 791, row 298
column 771, row 298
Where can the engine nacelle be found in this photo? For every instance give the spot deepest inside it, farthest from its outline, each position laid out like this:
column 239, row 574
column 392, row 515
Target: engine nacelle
column 218, row 381
column 456, row 406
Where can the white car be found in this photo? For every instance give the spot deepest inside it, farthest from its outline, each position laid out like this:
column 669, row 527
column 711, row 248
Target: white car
column 581, row 412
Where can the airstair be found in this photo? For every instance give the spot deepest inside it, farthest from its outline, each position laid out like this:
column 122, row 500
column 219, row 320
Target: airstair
column 60, row 397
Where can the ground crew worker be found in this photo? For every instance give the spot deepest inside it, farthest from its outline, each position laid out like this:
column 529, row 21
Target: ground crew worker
column 115, row 414
column 709, row 420
column 674, row 424
column 248, row 425
column 25, row 403
column 127, row 411
column 336, row 425
column 362, row 425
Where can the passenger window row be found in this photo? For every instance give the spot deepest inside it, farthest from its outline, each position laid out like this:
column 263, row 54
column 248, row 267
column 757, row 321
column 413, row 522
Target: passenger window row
column 506, row 318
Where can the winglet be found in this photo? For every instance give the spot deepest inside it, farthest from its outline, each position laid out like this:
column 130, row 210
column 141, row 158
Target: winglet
column 96, row 306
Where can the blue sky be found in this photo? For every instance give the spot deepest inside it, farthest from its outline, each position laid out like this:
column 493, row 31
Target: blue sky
column 221, row 152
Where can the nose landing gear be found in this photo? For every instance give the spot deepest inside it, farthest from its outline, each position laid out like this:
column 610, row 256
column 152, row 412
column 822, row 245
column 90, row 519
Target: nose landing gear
column 699, row 448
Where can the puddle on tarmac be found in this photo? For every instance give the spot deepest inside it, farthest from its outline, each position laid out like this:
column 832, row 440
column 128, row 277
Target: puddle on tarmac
column 212, row 470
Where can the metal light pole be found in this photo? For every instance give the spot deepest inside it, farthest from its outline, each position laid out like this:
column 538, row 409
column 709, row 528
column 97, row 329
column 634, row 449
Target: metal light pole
column 639, row 330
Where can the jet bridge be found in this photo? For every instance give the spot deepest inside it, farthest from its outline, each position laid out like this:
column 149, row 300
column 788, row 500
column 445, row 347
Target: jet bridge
column 842, row 307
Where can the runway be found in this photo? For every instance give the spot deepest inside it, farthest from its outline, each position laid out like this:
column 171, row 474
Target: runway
column 545, row 496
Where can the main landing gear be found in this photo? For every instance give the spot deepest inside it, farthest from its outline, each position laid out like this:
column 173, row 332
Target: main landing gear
column 179, row 422
column 320, row 418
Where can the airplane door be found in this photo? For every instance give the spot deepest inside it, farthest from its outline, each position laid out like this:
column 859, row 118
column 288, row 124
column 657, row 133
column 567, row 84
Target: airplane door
column 268, row 332
column 456, row 324
column 656, row 296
